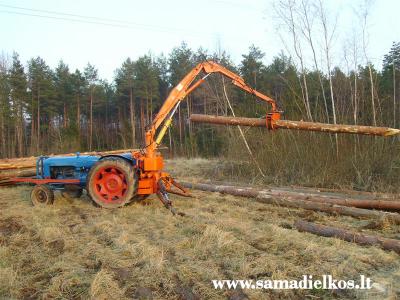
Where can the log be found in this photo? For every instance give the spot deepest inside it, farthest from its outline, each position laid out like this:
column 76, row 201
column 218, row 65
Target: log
column 389, row 205
column 29, row 162
column 349, row 236
column 265, row 197
column 5, row 176
column 296, row 125
column 17, row 173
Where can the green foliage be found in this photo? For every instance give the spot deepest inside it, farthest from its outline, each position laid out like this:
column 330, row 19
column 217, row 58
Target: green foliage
column 18, row 86
column 41, row 85
column 181, row 61
column 91, row 74
column 146, row 79
column 252, row 67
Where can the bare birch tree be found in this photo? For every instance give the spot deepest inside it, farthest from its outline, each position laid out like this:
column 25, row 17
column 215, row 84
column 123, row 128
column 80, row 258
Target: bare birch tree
column 307, row 30
column 287, row 11
column 327, row 42
column 364, row 16
column 355, row 98
column 327, row 36
column 4, row 66
column 394, row 91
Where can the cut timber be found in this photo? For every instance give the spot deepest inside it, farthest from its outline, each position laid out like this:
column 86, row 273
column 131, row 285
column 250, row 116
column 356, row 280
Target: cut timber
column 390, row 205
column 296, row 125
column 30, row 162
column 350, row 236
column 5, row 176
column 266, row 197
column 17, row 173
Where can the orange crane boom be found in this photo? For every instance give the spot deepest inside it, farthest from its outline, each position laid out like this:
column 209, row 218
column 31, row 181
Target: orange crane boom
column 151, row 178
column 186, row 86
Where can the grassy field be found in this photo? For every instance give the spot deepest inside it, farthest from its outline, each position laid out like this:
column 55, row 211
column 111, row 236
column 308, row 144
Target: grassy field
column 75, row 250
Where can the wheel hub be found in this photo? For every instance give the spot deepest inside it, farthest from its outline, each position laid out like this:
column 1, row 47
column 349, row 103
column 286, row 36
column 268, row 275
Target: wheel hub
column 110, row 184
column 41, row 196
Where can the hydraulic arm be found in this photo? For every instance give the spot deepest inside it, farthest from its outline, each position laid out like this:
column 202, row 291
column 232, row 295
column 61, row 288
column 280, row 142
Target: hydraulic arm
column 152, row 178
column 188, row 85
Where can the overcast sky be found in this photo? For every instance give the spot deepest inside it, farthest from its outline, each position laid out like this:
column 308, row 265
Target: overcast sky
column 158, row 26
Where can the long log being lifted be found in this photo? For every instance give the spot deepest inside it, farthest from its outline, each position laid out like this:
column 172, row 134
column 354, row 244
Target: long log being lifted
column 295, row 125
column 267, row 198
column 350, row 236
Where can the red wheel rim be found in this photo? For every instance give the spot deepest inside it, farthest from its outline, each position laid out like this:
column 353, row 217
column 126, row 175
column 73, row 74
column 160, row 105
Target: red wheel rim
column 110, row 185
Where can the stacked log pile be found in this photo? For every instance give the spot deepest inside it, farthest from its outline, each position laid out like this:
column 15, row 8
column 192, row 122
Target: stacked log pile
column 307, row 201
column 26, row 166
column 29, row 162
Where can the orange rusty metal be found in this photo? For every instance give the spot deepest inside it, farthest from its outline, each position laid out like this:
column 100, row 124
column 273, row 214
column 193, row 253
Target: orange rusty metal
column 145, row 186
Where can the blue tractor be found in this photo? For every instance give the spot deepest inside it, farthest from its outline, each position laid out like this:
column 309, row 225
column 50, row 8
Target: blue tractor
column 113, row 175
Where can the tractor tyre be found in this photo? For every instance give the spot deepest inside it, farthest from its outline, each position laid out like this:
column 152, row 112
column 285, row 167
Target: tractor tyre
column 42, row 195
column 112, row 182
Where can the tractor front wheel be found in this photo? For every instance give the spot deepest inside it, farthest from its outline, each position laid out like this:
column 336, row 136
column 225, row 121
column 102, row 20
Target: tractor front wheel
column 42, row 195
column 112, row 182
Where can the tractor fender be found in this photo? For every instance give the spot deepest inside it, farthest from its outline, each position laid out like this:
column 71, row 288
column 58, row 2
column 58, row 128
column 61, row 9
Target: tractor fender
column 127, row 159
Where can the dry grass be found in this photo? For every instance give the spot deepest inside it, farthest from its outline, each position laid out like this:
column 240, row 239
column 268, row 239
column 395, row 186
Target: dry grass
column 75, row 250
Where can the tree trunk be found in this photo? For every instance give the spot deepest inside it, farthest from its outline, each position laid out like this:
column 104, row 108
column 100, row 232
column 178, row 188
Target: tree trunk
column 394, row 94
column 29, row 162
column 91, row 121
column 296, row 125
column 290, row 18
column 38, row 122
column 372, row 94
column 355, row 98
column 265, row 197
column 147, row 107
column 32, row 128
column 191, row 144
column 19, row 127
column 349, row 236
column 308, row 34
column 180, row 129
column 6, row 175
column 78, row 118
column 65, row 115
column 132, row 115
column 151, row 107
column 390, row 205
column 2, row 131
column 142, row 122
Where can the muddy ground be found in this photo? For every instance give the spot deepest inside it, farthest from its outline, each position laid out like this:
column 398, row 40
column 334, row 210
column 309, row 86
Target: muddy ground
column 73, row 249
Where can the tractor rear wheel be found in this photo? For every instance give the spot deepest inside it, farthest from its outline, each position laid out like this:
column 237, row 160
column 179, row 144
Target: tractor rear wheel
column 112, row 182
column 42, row 195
